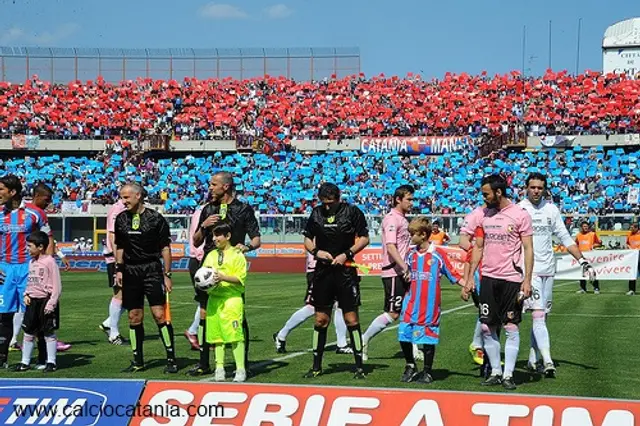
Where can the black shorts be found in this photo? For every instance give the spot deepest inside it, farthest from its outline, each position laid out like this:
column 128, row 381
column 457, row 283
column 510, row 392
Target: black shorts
column 307, row 296
column 138, row 281
column 499, row 302
column 336, row 283
column 36, row 321
column 201, row 296
column 394, row 291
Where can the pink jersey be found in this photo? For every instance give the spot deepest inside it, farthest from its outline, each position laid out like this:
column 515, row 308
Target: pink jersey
column 195, row 252
column 112, row 213
column 44, row 280
column 472, row 221
column 395, row 230
column 503, row 232
column 311, row 262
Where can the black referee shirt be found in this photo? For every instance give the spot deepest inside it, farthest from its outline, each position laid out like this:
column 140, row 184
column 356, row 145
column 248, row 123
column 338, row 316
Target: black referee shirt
column 142, row 238
column 239, row 215
column 336, row 233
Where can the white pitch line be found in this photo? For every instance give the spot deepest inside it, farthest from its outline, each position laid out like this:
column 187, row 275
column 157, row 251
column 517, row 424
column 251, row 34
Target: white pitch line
column 300, row 353
column 297, row 354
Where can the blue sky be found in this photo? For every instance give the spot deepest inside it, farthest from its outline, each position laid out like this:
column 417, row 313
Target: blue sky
column 394, row 37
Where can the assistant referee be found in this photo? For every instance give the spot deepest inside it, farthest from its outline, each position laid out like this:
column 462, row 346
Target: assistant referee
column 142, row 238
column 223, row 207
column 340, row 231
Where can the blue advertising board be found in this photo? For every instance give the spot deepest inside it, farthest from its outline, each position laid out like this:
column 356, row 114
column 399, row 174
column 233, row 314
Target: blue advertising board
column 68, row 402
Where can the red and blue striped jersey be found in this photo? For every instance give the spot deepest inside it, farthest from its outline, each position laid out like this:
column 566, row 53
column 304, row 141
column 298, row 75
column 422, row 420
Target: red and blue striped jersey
column 43, row 217
column 15, row 227
column 421, row 305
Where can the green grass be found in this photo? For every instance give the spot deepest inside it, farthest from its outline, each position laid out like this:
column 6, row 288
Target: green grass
column 594, row 339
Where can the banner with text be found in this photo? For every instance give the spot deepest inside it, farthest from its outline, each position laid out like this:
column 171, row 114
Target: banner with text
column 415, row 145
column 281, row 405
column 69, row 402
column 609, row 265
column 371, row 257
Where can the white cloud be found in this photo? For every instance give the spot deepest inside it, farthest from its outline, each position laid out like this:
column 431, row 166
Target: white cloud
column 222, row 11
column 278, row 11
column 18, row 36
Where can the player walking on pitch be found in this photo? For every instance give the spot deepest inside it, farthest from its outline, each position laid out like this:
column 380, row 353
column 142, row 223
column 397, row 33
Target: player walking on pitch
column 110, row 326
column 547, row 223
column 504, row 284
column 395, row 246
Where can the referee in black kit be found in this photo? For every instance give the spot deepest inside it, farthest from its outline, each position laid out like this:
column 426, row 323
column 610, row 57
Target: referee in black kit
column 142, row 237
column 223, row 207
column 340, row 231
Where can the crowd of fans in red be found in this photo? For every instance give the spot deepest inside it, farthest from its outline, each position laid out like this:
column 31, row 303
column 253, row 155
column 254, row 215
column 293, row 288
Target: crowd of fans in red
column 282, row 109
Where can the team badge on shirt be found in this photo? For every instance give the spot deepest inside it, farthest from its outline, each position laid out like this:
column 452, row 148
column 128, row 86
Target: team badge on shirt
column 331, row 219
column 135, row 223
column 510, row 228
column 549, row 221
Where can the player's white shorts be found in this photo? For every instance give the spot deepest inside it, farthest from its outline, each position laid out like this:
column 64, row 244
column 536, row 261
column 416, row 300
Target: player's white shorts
column 541, row 294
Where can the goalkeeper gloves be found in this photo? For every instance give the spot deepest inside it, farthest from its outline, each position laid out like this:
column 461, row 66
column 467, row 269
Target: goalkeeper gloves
column 587, row 269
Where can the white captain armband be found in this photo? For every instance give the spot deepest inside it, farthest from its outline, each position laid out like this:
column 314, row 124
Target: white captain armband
column 60, row 254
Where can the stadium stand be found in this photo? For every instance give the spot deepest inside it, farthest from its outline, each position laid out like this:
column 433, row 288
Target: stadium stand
column 582, row 181
column 277, row 108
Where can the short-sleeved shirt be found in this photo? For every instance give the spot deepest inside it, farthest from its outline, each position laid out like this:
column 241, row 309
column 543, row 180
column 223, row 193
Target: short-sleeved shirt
column 142, row 237
column 15, row 227
column 195, row 252
column 503, row 232
column 438, row 238
column 112, row 213
column 336, row 233
column 587, row 241
column 472, row 221
column 239, row 215
column 230, row 262
column 395, row 230
column 44, row 280
column 633, row 241
column 43, row 218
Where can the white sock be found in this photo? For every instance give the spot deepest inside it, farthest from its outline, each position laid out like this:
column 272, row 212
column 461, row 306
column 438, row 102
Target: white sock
column 107, row 322
column 542, row 339
column 27, row 348
column 477, row 336
column 381, row 322
column 51, row 348
column 298, row 317
column 533, row 351
column 115, row 311
column 17, row 326
column 492, row 349
column 193, row 328
column 511, row 348
column 341, row 328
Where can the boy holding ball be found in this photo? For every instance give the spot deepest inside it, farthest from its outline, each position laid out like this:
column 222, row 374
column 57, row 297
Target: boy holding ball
column 225, row 306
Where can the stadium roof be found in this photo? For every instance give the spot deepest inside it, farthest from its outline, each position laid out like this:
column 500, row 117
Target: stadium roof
column 622, row 34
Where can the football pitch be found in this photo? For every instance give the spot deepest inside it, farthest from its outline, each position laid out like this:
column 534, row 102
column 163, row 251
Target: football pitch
column 594, row 340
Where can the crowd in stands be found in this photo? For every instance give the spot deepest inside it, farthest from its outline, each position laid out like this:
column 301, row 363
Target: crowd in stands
column 594, row 181
column 281, row 109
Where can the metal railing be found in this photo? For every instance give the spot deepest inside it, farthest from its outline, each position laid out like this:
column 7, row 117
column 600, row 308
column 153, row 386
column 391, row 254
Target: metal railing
column 62, row 65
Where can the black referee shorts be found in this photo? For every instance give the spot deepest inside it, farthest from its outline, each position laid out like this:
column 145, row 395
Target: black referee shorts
column 36, row 321
column 336, row 283
column 202, row 297
column 138, row 281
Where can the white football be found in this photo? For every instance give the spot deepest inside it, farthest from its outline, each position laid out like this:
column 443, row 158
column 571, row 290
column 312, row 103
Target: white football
column 205, row 278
